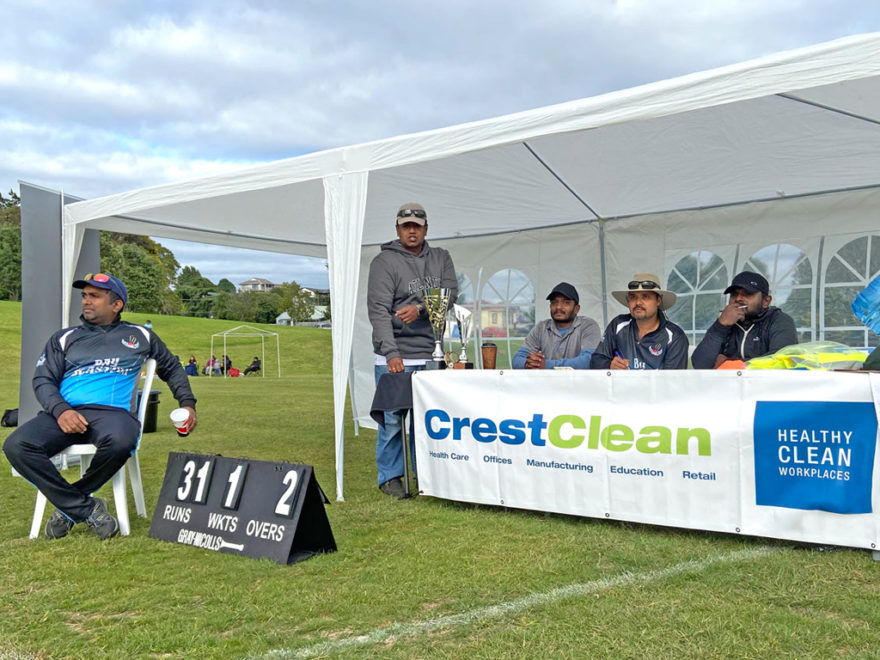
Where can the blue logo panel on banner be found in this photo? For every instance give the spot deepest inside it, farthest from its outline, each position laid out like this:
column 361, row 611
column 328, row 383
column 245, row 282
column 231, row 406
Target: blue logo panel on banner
column 816, row 455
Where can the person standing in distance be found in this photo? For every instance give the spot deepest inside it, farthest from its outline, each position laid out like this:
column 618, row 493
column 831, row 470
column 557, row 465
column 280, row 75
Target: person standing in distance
column 85, row 381
column 402, row 336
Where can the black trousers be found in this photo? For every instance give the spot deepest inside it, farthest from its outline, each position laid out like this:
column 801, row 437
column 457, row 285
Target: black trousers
column 31, row 447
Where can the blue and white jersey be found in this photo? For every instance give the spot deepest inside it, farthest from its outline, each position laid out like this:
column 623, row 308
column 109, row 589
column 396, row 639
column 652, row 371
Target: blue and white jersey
column 108, row 380
column 95, row 365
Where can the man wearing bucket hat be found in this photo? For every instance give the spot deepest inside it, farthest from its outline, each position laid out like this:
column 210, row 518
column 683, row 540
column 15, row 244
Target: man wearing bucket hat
column 402, row 335
column 748, row 326
column 563, row 340
column 85, row 380
column 644, row 338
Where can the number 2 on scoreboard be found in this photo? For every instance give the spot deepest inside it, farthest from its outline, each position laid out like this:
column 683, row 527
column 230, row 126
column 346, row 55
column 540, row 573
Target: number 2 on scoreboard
column 285, row 503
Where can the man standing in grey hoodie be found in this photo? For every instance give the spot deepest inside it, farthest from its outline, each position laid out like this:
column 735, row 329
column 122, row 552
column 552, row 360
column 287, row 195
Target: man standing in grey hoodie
column 402, row 336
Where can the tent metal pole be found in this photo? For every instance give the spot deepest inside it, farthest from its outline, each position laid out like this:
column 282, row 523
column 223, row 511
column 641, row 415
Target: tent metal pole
column 603, row 273
column 351, row 394
column 818, row 313
column 829, row 108
column 478, row 308
column 561, row 180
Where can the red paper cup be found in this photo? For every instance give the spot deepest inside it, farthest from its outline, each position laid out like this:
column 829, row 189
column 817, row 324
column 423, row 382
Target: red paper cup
column 180, row 419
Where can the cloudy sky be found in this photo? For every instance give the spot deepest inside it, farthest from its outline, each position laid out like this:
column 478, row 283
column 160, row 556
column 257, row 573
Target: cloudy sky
column 100, row 97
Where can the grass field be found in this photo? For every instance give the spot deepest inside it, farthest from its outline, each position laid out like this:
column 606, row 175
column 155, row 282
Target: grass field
column 413, row 579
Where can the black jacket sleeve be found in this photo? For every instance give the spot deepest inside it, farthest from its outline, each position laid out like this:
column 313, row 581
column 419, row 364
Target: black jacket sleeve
column 168, row 369
column 782, row 332
column 710, row 346
column 677, row 352
column 601, row 359
column 47, row 378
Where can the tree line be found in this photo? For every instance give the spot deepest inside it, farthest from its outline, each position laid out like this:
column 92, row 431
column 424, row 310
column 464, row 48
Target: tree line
column 156, row 283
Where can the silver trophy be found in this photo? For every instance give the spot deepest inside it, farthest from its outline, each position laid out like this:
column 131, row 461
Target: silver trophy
column 437, row 304
column 464, row 318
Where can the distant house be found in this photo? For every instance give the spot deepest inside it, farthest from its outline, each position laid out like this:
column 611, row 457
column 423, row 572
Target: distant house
column 256, row 284
column 282, row 319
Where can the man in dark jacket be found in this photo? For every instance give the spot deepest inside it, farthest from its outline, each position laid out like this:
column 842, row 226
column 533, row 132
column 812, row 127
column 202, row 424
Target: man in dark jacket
column 644, row 338
column 85, row 381
column 402, row 336
column 748, row 326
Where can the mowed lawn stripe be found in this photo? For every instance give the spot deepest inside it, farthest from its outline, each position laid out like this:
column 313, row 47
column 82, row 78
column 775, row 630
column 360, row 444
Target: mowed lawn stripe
column 482, row 614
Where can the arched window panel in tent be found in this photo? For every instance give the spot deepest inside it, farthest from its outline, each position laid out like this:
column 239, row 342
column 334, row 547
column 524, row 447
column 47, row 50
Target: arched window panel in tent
column 792, row 283
column 849, row 269
column 466, row 300
column 699, row 280
column 506, row 311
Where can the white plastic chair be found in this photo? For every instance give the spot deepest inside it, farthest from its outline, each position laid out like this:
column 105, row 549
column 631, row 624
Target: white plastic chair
column 85, row 452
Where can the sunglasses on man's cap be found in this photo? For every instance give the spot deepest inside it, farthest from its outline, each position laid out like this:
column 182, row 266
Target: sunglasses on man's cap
column 405, row 213
column 97, row 277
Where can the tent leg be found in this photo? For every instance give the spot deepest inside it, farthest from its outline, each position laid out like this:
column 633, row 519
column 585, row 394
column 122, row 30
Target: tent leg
column 351, row 395
column 406, row 453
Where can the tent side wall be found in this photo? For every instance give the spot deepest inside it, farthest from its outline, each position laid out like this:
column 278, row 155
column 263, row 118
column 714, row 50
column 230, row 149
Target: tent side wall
column 733, row 234
column 42, row 274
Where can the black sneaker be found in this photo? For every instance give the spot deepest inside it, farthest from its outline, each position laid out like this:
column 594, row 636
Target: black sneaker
column 58, row 525
column 394, row 488
column 101, row 522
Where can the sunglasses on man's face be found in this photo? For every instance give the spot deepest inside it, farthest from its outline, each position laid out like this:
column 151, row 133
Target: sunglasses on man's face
column 644, row 284
column 97, row 277
column 405, row 213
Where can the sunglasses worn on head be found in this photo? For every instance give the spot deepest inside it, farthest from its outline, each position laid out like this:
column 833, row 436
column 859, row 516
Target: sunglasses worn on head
column 405, row 213
column 644, row 284
column 97, row 277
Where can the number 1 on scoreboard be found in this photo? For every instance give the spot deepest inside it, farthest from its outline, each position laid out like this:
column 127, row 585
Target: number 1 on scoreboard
column 234, row 486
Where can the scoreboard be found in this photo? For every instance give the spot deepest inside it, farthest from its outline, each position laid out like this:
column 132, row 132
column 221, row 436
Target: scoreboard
column 242, row 506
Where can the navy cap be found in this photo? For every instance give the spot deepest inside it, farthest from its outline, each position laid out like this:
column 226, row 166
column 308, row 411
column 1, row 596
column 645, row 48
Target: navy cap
column 102, row 281
column 749, row 281
column 565, row 290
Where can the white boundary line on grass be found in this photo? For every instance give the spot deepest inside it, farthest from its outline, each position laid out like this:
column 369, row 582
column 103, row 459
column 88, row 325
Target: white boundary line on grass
column 480, row 614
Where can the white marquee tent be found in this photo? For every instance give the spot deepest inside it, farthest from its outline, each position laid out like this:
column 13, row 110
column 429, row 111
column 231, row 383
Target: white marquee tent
column 248, row 331
column 780, row 151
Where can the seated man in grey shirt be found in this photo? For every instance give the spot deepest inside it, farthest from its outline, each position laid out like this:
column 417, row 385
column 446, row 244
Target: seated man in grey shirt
column 563, row 340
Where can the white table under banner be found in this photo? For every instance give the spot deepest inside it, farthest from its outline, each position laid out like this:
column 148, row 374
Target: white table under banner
column 780, row 454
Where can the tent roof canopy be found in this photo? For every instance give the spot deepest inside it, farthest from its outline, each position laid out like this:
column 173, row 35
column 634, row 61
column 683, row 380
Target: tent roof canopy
column 797, row 123
column 245, row 331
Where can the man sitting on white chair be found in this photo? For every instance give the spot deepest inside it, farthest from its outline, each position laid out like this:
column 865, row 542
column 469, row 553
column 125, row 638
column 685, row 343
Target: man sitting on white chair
column 84, row 380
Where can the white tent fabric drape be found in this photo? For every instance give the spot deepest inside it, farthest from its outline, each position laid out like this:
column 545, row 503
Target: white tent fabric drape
column 345, row 199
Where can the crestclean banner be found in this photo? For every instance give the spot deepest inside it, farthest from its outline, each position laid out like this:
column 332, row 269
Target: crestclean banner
column 688, row 449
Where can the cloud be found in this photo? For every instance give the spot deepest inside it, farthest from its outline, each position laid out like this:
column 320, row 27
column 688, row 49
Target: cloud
column 121, row 95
